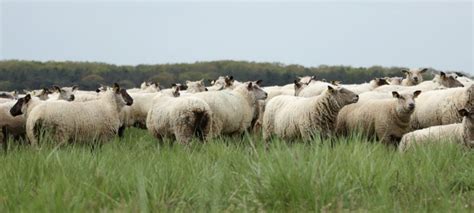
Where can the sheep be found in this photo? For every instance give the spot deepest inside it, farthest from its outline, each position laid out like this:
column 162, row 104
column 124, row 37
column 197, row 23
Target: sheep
column 462, row 133
column 292, row 117
column 365, row 87
column 65, row 93
column 233, row 110
column 386, row 119
column 146, row 87
column 181, row 117
column 440, row 107
column 79, row 121
column 136, row 114
column 314, row 88
column 195, row 86
column 223, row 82
column 9, row 124
column 413, row 76
column 440, row 81
column 394, row 80
column 44, row 94
column 9, row 95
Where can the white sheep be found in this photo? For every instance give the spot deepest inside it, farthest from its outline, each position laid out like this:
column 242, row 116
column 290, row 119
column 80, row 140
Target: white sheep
column 223, row 82
column 314, row 88
column 385, row 119
column 10, row 125
column 440, row 107
column 195, row 86
column 233, row 110
column 292, row 117
column 79, row 121
column 365, row 87
column 461, row 133
column 180, row 117
column 413, row 76
column 394, row 80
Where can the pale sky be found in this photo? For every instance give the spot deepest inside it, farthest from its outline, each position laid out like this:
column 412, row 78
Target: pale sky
column 409, row 34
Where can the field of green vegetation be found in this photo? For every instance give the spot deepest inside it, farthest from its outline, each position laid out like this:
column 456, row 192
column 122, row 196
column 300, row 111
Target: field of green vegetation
column 234, row 174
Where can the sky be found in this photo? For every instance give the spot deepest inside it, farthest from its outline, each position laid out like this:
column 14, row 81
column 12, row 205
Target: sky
column 362, row 33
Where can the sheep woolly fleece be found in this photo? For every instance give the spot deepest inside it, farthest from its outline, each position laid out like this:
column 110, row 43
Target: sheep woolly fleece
column 314, row 114
column 81, row 121
column 232, row 111
column 181, row 117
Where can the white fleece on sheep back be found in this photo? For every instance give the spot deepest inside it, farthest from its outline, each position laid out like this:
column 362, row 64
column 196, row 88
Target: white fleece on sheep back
column 179, row 117
column 14, row 125
column 232, row 111
column 441, row 107
column 79, row 121
column 292, row 117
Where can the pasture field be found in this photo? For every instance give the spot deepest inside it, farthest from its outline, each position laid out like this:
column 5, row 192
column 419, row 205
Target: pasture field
column 137, row 174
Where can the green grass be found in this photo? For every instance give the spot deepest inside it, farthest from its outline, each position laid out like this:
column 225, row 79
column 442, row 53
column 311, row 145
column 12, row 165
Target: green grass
column 138, row 174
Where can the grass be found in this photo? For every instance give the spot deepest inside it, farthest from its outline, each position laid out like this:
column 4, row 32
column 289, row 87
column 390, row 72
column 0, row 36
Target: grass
column 138, row 174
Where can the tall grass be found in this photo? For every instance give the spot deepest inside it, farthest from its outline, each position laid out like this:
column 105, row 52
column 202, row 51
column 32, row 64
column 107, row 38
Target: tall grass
column 233, row 174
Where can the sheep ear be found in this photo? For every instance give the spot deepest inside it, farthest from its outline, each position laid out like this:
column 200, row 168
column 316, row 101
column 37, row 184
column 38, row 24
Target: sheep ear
column 405, row 71
column 56, row 88
column 416, row 93
column 423, row 70
column 27, row 98
column 330, row 88
column 395, row 94
column 259, row 82
column 463, row 112
column 116, row 87
column 250, row 86
column 75, row 87
column 442, row 74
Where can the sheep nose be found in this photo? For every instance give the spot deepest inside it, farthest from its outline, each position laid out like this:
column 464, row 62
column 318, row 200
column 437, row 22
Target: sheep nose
column 411, row 106
column 415, row 78
column 97, row 90
column 72, row 98
column 206, row 89
column 266, row 95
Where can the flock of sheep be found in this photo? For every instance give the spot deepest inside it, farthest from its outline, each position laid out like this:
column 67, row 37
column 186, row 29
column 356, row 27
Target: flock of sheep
column 396, row 111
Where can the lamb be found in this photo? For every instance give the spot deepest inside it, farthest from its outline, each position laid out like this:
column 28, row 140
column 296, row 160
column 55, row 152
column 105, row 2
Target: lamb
column 440, row 107
column 386, row 119
column 79, row 121
column 292, row 117
column 413, row 76
column 181, row 117
column 462, row 133
column 233, row 111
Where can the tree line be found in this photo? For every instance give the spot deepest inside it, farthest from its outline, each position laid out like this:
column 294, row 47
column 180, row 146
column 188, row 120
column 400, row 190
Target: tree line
column 18, row 75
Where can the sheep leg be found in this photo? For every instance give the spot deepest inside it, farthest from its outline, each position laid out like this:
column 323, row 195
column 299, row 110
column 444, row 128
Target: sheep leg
column 5, row 138
column 121, row 131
